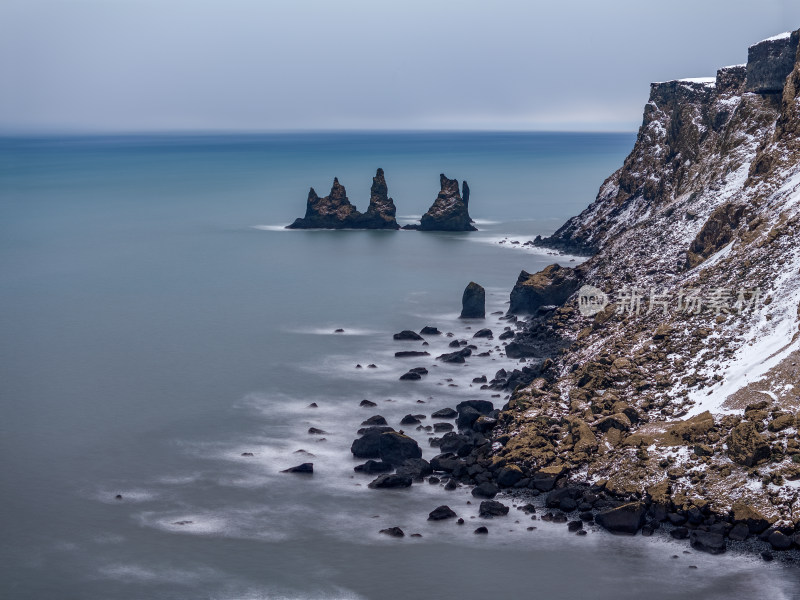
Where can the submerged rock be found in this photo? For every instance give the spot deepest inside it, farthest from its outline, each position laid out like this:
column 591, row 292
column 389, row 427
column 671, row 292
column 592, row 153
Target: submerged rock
column 304, row 468
column 408, row 335
column 473, row 302
column 441, row 513
column 390, row 481
column 393, row 532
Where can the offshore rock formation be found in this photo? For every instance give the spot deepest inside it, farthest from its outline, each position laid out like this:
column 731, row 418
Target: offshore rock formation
column 450, row 210
column 335, row 211
column 473, row 302
column 694, row 243
column 381, row 211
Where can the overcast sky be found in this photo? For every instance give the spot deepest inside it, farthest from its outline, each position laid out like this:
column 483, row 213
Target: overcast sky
column 255, row 65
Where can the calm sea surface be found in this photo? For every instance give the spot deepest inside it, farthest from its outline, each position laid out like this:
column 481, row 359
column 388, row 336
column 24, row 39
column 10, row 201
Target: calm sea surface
column 156, row 322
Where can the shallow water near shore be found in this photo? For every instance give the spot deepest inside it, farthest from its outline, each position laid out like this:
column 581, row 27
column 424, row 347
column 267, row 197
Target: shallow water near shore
column 158, row 323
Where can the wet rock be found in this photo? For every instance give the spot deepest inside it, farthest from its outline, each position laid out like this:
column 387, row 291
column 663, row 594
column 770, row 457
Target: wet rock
column 428, row 330
column 481, row 530
column 372, row 467
column 445, row 413
column 509, row 476
column 367, row 403
column 484, row 424
column 506, row 335
column 374, row 420
column 680, row 533
column 459, row 356
column 706, row 541
column 441, row 513
column 739, row 532
column 411, row 353
column 473, row 302
column 393, row 532
column 483, row 333
column 481, row 379
column 574, row 526
column 779, row 541
column 390, row 481
column 303, row 468
column 408, row 335
column 625, row 519
column 409, row 420
column 485, row 490
column 410, row 376
column 315, row 431
column 368, row 445
column 416, row 468
column 395, row 448
column 440, row 427
column 492, row 508
column 450, row 485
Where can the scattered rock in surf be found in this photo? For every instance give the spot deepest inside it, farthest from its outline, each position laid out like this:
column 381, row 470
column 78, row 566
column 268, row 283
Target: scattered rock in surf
column 372, row 467
column 118, row 497
column 408, row 335
column 368, row 445
column 442, row 427
column 473, row 302
column 315, row 431
column 484, row 333
column 445, row 413
column 428, row 330
column 411, row 353
column 372, row 366
column 368, row 403
column 182, row 523
column 481, row 530
column 359, row 367
column 455, row 357
column 393, row 532
column 375, row 420
column 247, row 454
column 625, row 519
column 338, row 331
column 395, row 448
column 441, row 513
column 485, row 490
column 481, row 379
column 416, row 468
column 409, row 420
column 492, row 508
column 410, row 376
column 450, row 485
column 390, row 481
column 303, row 468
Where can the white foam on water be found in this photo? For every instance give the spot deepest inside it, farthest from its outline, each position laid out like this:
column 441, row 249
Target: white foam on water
column 133, row 573
column 108, row 496
column 281, row 227
column 331, row 330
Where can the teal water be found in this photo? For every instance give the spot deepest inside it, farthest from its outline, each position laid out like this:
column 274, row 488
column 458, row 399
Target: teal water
column 157, row 322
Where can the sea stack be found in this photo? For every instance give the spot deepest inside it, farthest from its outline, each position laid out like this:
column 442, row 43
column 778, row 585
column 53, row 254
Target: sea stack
column 334, row 211
column 381, row 211
column 473, row 302
column 449, row 212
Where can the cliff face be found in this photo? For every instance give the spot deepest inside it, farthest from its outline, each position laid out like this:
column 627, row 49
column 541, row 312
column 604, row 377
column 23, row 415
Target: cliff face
column 684, row 371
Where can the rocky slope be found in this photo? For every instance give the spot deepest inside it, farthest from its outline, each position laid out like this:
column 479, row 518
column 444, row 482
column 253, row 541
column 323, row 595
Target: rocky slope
column 335, row 211
column 677, row 383
column 450, row 210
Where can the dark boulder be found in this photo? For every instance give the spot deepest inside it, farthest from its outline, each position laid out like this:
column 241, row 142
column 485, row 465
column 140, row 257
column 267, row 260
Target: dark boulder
column 429, row 330
column 779, row 540
column 368, row 445
column 411, row 353
column 304, row 468
column 706, row 541
column 483, row 333
column 333, row 211
column 395, row 448
column 372, row 467
column 374, row 420
column 455, row 357
column 409, row 420
column 445, row 413
column 416, row 468
column 410, row 376
column 390, row 481
column 408, row 335
column 485, row 490
column 442, row 427
column 367, row 403
column 625, row 519
column 441, row 513
column 473, row 302
column 492, row 508
column 393, row 532
column 481, row 530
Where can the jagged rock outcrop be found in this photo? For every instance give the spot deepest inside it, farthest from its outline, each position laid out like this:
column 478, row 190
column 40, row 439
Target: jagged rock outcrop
column 769, row 63
column 335, row 211
column 381, row 211
column 450, row 210
column 550, row 286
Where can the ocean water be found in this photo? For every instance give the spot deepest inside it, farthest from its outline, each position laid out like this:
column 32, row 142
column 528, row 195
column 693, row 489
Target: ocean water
column 157, row 322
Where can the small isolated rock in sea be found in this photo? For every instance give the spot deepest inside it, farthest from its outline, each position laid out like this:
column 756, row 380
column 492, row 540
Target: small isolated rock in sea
column 247, row 454
column 457, row 357
column 492, row 508
column 429, row 330
column 118, row 497
column 368, row 403
column 409, row 420
column 390, row 481
column 395, row 448
column 315, row 431
column 473, row 302
column 408, row 335
column 304, row 468
column 338, row 330
column 481, row 530
column 441, row 513
column 410, row 376
column 410, row 353
column 393, row 532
